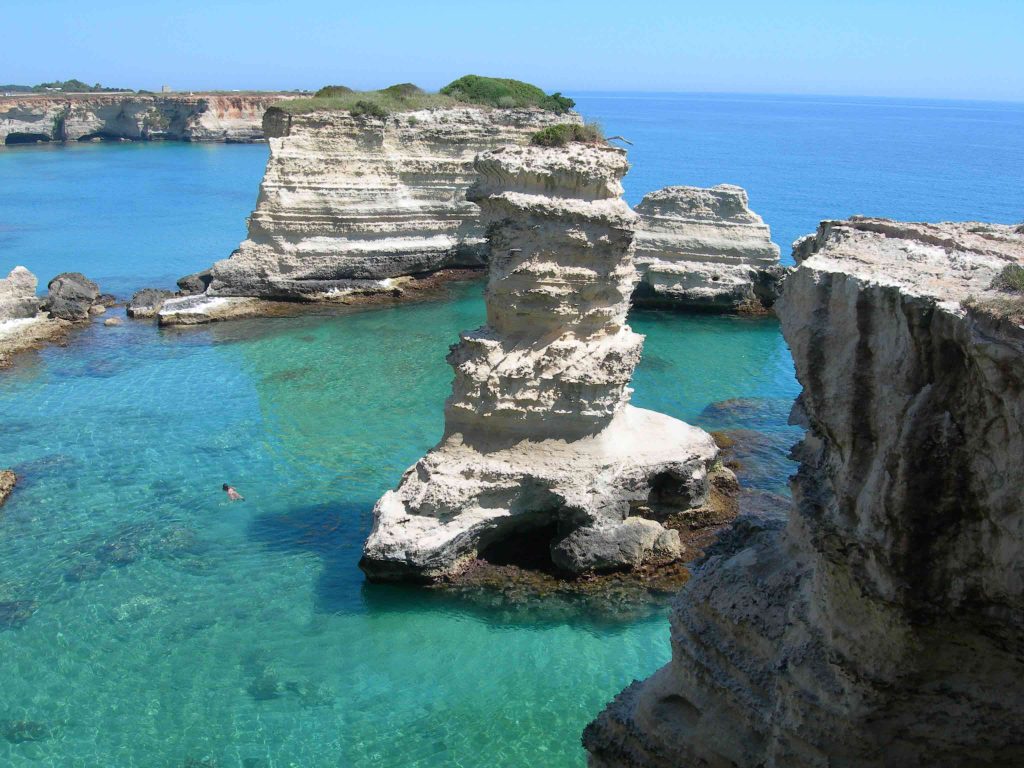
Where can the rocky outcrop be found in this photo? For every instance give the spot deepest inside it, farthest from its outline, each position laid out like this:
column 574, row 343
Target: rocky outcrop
column 22, row 323
column 195, row 283
column 139, row 117
column 7, row 482
column 541, row 447
column 883, row 624
column 71, row 296
column 705, row 249
column 18, row 299
column 147, row 302
column 353, row 204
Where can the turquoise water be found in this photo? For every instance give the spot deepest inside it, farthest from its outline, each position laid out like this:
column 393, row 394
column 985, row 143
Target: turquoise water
column 145, row 621
column 168, row 622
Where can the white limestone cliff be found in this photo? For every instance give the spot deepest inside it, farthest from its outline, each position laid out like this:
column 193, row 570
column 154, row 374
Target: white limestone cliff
column 22, row 323
column 704, row 249
column 539, row 433
column 882, row 625
column 350, row 202
column 31, row 118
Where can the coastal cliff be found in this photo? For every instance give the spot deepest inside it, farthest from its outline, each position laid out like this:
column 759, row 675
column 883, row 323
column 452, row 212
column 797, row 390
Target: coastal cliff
column 882, row 623
column 28, row 119
column 705, row 249
column 350, row 202
column 541, row 447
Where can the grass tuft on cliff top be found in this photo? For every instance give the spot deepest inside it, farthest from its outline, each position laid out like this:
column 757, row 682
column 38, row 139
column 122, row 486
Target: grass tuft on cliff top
column 494, row 92
column 562, row 134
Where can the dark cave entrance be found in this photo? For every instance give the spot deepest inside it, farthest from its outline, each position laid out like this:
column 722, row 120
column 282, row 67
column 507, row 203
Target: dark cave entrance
column 528, row 548
column 26, row 138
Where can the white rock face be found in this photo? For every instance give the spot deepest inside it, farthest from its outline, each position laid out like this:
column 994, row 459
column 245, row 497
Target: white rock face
column 704, row 249
column 139, row 117
column 349, row 199
column 881, row 626
column 18, row 295
column 538, row 432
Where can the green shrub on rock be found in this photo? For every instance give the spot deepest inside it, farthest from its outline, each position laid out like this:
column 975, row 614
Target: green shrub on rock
column 562, row 134
column 505, row 93
column 333, row 90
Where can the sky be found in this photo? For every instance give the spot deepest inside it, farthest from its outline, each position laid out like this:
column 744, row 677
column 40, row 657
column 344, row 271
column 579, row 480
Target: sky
column 972, row 49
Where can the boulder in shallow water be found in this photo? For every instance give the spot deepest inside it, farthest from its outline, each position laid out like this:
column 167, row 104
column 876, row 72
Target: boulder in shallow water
column 195, row 283
column 18, row 295
column 71, row 296
column 20, row 731
column 147, row 302
column 7, row 482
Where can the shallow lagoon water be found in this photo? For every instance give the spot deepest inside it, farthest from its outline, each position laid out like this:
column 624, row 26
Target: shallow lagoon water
column 170, row 622
column 146, row 621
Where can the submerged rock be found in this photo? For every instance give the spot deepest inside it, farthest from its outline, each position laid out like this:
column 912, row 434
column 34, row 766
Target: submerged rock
column 16, row 613
column 705, row 249
column 18, row 297
column 147, row 302
column 71, row 296
column 7, row 482
column 539, row 433
column 881, row 626
column 20, row 731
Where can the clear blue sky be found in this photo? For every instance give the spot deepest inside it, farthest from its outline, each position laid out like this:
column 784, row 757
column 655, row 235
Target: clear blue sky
column 971, row 49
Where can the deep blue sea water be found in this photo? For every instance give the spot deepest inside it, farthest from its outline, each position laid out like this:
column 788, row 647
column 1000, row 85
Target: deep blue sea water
column 145, row 621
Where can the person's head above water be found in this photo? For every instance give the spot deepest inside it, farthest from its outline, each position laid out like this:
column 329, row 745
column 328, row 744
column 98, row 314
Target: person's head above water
column 225, row 486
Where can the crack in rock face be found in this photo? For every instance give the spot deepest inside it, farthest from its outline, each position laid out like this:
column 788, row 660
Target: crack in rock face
column 539, row 433
column 882, row 623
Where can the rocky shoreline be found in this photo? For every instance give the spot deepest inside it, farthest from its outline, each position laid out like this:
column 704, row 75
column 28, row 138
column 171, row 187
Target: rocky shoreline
column 199, row 117
column 876, row 626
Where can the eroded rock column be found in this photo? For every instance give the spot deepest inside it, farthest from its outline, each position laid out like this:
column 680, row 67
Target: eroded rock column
column 539, row 434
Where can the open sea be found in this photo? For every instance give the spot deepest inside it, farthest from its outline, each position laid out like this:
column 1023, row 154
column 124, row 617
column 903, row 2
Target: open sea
column 145, row 621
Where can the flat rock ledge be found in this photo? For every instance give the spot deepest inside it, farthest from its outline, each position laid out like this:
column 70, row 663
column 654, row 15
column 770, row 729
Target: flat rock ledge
column 203, row 308
column 879, row 624
column 543, row 461
column 703, row 249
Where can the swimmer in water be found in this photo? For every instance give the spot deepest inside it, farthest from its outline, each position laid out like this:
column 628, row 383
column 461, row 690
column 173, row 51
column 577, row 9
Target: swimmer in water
column 232, row 493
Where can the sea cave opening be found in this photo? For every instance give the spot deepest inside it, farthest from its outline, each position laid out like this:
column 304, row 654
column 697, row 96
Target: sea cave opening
column 526, row 547
column 26, row 138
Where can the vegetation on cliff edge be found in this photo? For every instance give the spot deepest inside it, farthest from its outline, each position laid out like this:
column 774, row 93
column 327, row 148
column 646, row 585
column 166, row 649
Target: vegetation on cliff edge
column 493, row 92
column 560, row 135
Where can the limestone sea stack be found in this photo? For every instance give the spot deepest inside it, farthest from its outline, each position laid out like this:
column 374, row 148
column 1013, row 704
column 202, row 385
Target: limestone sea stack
column 359, row 203
column 539, row 434
column 705, row 249
column 883, row 624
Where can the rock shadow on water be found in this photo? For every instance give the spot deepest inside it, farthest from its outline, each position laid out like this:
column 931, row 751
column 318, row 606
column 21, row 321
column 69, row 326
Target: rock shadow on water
column 333, row 532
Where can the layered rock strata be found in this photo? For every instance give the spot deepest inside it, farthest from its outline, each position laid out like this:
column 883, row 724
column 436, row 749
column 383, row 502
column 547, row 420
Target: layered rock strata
column 705, row 249
column 26, row 119
column 355, row 204
column 541, row 445
column 883, row 624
